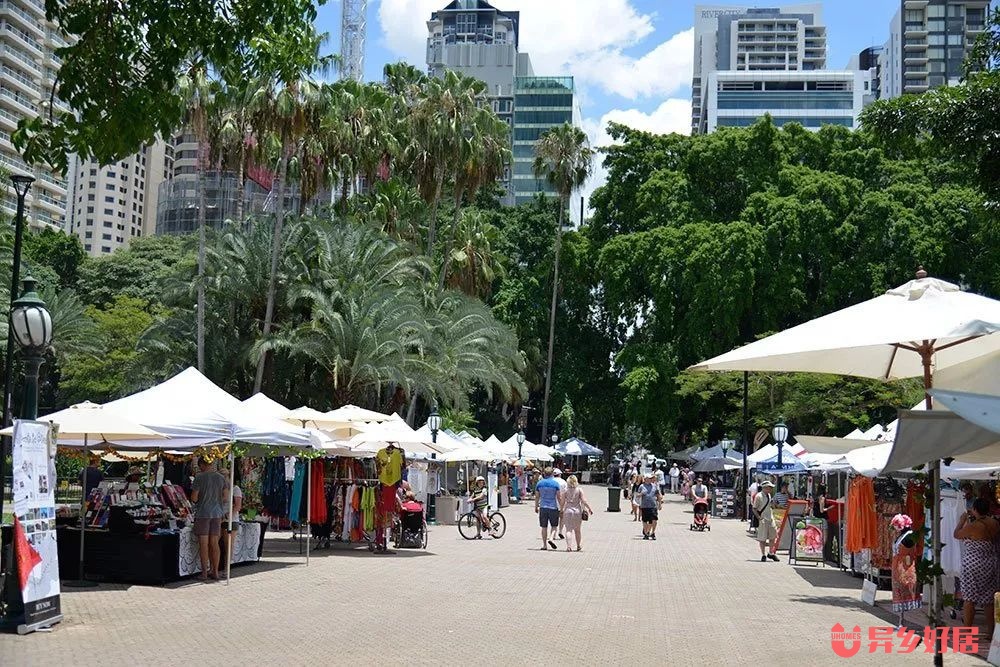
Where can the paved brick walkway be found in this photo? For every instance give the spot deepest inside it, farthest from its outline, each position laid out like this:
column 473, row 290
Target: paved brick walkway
column 686, row 599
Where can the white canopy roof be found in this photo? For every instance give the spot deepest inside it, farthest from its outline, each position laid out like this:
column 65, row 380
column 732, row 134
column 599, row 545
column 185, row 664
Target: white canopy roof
column 92, row 424
column 869, row 335
column 770, row 451
column 190, row 406
column 395, row 432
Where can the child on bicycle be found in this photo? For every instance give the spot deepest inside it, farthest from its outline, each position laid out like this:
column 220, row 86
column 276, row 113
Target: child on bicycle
column 480, row 501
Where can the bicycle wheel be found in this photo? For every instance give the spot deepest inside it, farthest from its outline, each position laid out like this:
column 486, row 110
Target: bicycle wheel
column 468, row 526
column 498, row 525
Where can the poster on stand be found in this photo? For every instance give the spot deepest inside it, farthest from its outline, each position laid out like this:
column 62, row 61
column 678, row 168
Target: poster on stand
column 809, row 539
column 780, row 515
column 34, row 480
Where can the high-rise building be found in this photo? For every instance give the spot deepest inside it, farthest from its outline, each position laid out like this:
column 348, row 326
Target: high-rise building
column 113, row 204
column 176, row 210
column 540, row 103
column 28, row 68
column 810, row 98
column 928, row 43
column 476, row 39
column 788, row 38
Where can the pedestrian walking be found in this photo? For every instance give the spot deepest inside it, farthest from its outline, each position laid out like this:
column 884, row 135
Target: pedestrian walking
column 547, row 506
column 978, row 532
column 661, row 478
column 767, row 532
column 675, row 474
column 574, row 509
column 557, row 475
column 650, row 502
column 635, row 484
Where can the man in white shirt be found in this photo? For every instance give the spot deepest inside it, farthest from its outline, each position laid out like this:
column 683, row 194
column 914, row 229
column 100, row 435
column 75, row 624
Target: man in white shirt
column 557, row 475
column 661, row 479
column 675, row 474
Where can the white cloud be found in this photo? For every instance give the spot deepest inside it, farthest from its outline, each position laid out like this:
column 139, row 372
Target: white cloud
column 673, row 115
column 583, row 38
column 662, row 71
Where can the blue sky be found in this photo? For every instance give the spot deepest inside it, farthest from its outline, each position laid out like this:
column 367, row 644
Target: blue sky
column 631, row 58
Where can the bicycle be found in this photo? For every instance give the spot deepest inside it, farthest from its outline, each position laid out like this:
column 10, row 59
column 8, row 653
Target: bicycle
column 471, row 528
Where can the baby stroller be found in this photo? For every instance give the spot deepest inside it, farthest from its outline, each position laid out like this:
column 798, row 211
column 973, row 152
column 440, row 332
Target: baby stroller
column 410, row 531
column 700, row 515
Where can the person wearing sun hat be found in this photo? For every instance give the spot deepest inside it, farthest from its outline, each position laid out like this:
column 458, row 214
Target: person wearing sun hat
column 767, row 532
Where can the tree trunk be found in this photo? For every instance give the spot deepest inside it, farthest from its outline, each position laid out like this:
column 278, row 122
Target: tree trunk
column 432, row 225
column 200, row 315
column 411, row 412
column 552, row 325
column 345, row 187
column 272, row 282
column 241, row 182
column 451, row 239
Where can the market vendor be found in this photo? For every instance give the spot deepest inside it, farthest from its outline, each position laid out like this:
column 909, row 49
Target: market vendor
column 91, row 476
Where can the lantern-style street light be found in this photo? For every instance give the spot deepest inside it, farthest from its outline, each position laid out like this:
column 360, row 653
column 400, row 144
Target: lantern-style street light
column 520, row 443
column 780, row 433
column 434, row 424
column 32, row 327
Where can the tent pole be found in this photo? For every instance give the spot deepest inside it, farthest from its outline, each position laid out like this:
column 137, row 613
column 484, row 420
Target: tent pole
column 308, row 531
column 746, row 445
column 229, row 536
column 926, row 351
column 83, row 505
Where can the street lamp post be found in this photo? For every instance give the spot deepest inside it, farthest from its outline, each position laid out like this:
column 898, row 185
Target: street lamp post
column 520, row 443
column 780, row 433
column 22, row 184
column 434, row 424
column 32, row 327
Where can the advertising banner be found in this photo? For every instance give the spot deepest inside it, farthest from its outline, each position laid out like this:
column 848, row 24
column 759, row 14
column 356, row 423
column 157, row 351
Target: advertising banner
column 809, row 539
column 34, row 477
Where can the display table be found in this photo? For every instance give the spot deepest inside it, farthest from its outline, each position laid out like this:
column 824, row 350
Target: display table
column 156, row 559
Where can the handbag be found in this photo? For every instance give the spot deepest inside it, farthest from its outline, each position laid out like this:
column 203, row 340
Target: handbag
column 586, row 515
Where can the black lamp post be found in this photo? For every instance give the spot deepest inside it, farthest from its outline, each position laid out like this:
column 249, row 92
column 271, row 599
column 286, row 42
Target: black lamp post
column 780, row 433
column 22, row 184
column 434, row 424
column 520, row 443
column 32, row 327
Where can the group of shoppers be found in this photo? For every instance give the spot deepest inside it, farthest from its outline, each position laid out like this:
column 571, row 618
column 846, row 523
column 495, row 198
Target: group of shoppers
column 562, row 508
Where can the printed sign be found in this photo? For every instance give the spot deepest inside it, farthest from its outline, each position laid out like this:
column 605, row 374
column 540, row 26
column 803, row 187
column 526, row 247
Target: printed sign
column 809, row 538
column 34, row 481
column 868, row 589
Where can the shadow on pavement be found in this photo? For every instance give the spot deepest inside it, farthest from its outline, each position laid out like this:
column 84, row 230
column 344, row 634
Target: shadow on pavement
column 828, row 578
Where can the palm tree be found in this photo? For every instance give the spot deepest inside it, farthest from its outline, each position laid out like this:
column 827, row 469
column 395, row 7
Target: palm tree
column 289, row 61
column 564, row 158
column 483, row 152
column 474, row 267
column 196, row 88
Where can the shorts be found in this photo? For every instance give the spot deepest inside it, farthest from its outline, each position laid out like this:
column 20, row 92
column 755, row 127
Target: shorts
column 649, row 514
column 207, row 527
column 548, row 517
column 766, row 532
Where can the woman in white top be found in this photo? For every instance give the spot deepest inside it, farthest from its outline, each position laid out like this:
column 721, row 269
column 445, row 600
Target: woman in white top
column 572, row 504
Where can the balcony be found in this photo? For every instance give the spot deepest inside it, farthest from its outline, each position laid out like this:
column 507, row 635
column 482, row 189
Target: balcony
column 915, row 74
column 17, row 80
column 915, row 45
column 915, row 4
column 18, row 59
column 20, row 101
column 915, row 29
column 913, row 59
column 9, row 9
column 20, row 37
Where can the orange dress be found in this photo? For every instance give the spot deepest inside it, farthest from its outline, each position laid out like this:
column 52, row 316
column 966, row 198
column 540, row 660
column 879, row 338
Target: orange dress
column 862, row 532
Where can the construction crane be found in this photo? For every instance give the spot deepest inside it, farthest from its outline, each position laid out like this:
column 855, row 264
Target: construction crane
column 352, row 39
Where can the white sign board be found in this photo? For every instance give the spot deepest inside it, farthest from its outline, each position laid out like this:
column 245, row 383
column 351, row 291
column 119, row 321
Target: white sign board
column 868, row 589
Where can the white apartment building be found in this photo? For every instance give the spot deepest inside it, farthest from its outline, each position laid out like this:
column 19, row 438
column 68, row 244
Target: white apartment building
column 113, row 204
column 788, row 38
column 810, row 98
column 928, row 43
column 28, row 67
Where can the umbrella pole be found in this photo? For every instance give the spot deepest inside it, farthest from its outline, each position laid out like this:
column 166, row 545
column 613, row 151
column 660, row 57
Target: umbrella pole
column 229, row 537
column 926, row 351
column 746, row 446
column 80, row 581
column 308, row 531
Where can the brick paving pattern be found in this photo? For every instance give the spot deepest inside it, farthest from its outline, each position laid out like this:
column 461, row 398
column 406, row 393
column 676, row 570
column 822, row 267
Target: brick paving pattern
column 686, row 599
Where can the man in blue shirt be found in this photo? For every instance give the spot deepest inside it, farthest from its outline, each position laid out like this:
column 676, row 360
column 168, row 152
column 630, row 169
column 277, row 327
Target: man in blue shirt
column 547, row 506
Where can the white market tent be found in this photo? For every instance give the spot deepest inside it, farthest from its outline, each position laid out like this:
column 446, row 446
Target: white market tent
column 396, row 432
column 265, row 405
column 190, row 406
column 914, row 330
column 770, row 451
column 576, row 447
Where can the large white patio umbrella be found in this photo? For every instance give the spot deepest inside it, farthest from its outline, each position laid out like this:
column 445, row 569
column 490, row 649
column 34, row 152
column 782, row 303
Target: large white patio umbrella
column 909, row 331
column 94, row 425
